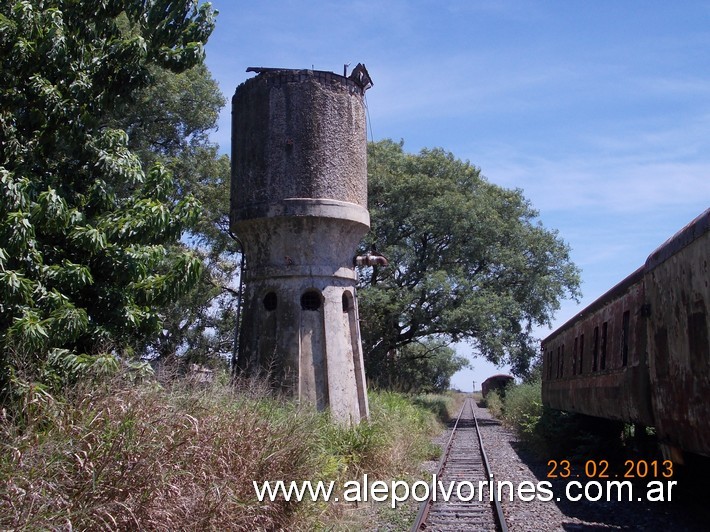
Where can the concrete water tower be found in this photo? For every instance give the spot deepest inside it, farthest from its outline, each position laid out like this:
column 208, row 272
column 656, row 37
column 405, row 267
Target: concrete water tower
column 299, row 206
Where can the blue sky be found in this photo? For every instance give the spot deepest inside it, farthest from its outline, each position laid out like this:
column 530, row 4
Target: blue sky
column 598, row 110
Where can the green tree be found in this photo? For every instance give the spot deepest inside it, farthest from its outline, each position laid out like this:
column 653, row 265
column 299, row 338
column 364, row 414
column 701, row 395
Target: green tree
column 420, row 367
column 88, row 237
column 170, row 123
column 467, row 262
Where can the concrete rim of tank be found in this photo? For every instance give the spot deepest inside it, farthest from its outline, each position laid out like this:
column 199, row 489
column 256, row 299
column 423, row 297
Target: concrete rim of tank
column 317, row 208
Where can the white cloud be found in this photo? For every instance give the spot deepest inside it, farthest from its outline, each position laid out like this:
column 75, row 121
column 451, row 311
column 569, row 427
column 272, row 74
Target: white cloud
column 607, row 185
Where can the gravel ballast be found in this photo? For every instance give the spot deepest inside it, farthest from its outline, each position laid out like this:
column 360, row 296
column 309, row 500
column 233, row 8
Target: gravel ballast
column 510, row 462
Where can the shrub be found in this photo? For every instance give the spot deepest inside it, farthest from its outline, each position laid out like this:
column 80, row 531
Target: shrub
column 494, row 403
column 523, row 408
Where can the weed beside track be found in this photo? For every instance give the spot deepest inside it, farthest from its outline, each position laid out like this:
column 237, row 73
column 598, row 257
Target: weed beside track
column 182, row 456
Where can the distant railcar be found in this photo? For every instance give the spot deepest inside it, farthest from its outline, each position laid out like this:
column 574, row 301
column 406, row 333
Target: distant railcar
column 640, row 353
column 497, row 383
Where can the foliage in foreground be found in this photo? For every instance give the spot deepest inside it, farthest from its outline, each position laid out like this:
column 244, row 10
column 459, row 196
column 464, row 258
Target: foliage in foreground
column 170, row 123
column 126, row 456
column 89, row 236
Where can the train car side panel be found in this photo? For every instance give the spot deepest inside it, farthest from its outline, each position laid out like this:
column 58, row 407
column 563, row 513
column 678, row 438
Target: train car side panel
column 596, row 363
column 676, row 280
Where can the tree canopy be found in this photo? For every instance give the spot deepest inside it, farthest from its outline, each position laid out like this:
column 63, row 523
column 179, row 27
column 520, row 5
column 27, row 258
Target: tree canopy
column 170, row 123
column 424, row 366
column 468, row 261
column 106, row 165
column 89, row 234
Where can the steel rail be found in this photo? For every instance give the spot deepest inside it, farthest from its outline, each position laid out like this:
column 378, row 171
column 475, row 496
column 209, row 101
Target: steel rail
column 496, row 501
column 425, row 505
column 422, row 515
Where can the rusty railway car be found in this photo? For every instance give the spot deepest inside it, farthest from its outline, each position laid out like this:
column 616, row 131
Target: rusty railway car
column 640, row 353
column 497, row 383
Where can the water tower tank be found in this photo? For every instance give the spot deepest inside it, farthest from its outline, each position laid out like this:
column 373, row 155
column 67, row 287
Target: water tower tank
column 299, row 205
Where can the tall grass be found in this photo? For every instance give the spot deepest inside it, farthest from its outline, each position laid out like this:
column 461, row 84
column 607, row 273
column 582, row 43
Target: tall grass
column 124, row 456
column 142, row 457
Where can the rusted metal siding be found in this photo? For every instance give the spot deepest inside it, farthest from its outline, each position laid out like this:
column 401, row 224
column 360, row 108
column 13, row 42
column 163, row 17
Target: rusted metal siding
column 666, row 380
column 585, row 369
column 676, row 280
column 496, row 382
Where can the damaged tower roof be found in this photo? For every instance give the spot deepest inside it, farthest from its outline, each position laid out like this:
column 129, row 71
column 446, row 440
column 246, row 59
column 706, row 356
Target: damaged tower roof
column 359, row 75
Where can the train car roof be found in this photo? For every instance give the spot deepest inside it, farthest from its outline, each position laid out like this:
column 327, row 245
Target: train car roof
column 694, row 230
column 611, row 294
column 499, row 376
column 686, row 236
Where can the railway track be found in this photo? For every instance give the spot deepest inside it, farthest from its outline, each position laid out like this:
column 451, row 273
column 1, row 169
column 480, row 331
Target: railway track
column 463, row 461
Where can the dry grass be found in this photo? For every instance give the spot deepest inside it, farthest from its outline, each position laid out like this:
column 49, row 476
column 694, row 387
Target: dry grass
column 147, row 457
column 139, row 457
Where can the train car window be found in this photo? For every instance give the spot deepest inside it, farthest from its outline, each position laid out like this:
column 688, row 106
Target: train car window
column 574, row 357
column 602, row 364
column 548, row 357
column 581, row 354
column 595, row 350
column 562, row 362
column 557, row 370
column 625, row 339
